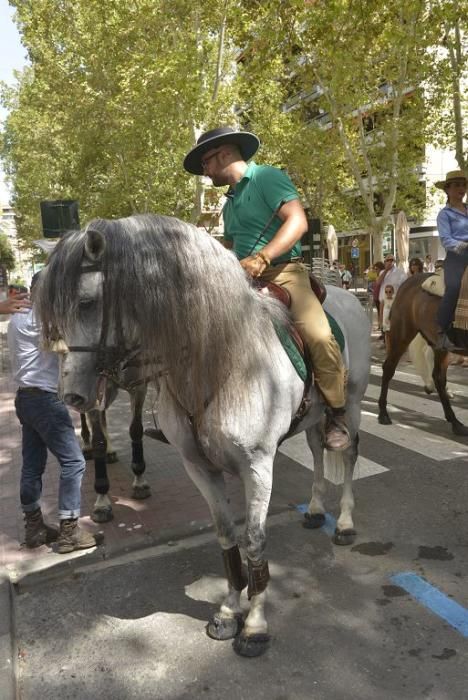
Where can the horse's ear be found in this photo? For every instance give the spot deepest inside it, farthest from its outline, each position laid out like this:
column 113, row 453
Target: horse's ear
column 94, row 244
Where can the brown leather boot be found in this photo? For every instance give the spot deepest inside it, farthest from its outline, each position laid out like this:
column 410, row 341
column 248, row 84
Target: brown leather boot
column 37, row 532
column 337, row 436
column 73, row 537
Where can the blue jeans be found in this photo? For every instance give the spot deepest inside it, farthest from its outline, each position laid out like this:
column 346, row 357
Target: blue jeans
column 46, row 424
column 454, row 267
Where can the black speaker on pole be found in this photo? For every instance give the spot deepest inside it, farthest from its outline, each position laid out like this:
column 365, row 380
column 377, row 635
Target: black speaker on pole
column 59, row 216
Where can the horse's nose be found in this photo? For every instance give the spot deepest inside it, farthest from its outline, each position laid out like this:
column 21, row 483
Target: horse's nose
column 75, row 400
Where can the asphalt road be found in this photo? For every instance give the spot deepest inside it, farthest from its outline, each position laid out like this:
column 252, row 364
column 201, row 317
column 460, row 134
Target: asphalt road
column 345, row 622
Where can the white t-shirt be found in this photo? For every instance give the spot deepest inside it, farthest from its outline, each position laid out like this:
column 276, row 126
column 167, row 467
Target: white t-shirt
column 395, row 276
column 31, row 366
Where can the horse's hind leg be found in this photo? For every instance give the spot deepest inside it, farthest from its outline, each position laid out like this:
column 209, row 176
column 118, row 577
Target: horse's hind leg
column 102, row 511
column 140, row 488
column 111, row 454
column 228, row 621
column 315, row 516
column 85, row 438
column 345, row 532
column 441, row 360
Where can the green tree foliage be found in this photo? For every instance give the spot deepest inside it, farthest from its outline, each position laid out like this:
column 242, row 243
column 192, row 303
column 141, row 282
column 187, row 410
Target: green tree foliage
column 7, row 256
column 357, row 68
column 447, row 82
column 111, row 102
column 117, row 92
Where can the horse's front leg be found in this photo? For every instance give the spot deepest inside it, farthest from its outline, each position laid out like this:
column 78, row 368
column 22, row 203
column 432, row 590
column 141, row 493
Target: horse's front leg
column 400, row 338
column 254, row 638
column 228, row 621
column 102, row 512
column 140, row 487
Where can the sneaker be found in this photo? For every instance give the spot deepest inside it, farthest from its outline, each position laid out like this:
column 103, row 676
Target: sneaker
column 337, row 436
column 37, row 532
column 73, row 537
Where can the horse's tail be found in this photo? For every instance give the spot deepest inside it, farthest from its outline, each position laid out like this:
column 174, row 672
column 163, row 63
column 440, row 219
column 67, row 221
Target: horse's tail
column 422, row 357
column 334, row 467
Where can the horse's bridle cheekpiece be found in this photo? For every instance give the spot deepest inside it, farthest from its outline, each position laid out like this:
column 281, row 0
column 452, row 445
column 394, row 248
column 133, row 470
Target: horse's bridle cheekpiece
column 248, row 145
column 111, row 360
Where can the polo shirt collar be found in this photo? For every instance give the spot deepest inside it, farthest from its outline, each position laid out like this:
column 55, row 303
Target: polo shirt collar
column 245, row 177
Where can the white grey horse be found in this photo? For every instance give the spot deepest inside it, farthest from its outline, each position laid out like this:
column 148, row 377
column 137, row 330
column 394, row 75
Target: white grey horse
column 228, row 390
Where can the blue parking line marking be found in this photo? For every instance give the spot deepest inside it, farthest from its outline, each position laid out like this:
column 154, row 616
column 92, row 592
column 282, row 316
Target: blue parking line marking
column 433, row 599
column 329, row 525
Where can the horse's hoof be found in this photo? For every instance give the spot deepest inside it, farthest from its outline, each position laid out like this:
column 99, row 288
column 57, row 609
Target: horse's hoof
column 428, row 389
column 384, row 419
column 102, row 515
column 251, row 645
column 313, row 520
column 141, row 492
column 344, row 537
column 87, row 453
column 459, row 429
column 222, row 628
column 111, row 457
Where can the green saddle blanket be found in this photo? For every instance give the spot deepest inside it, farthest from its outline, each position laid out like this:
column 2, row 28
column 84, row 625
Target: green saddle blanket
column 293, row 351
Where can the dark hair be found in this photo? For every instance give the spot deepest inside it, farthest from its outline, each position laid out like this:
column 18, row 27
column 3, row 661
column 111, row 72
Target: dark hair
column 379, row 265
column 418, row 262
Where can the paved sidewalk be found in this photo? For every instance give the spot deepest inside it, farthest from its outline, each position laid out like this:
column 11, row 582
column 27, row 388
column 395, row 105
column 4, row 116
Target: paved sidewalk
column 175, row 508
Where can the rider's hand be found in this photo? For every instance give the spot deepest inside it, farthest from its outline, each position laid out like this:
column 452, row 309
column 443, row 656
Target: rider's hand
column 19, row 302
column 461, row 247
column 254, row 265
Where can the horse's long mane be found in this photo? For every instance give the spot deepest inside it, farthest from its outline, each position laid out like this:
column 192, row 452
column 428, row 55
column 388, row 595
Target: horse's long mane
column 180, row 292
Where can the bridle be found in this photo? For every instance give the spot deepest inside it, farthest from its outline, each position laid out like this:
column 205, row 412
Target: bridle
column 112, row 360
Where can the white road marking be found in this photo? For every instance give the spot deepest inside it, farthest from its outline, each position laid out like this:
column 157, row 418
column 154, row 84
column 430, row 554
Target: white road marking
column 296, row 448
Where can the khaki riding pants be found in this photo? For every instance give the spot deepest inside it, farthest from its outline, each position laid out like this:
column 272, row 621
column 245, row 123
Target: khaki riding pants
column 312, row 323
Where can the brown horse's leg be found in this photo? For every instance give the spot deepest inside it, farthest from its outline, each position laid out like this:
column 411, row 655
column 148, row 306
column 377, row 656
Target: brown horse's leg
column 441, row 359
column 398, row 343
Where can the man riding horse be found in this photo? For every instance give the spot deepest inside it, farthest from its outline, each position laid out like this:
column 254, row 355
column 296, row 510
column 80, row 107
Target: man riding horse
column 452, row 224
column 263, row 224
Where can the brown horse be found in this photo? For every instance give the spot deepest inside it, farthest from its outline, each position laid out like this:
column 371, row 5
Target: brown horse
column 415, row 311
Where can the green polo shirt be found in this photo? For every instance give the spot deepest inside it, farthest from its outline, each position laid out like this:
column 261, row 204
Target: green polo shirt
column 246, row 213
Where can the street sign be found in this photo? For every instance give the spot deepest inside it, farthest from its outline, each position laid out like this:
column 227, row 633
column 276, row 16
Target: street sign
column 354, row 252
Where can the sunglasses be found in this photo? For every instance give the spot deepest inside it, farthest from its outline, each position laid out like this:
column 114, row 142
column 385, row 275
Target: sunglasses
column 204, row 161
column 389, row 259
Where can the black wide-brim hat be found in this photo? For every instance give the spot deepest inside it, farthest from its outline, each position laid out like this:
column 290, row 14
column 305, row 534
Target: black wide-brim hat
column 248, row 145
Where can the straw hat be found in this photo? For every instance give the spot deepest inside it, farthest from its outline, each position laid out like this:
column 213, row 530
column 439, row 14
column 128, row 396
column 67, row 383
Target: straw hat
column 452, row 175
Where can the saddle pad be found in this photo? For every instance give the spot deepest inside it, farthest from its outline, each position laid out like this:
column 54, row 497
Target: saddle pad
column 461, row 312
column 297, row 359
column 292, row 350
column 336, row 330
column 435, row 284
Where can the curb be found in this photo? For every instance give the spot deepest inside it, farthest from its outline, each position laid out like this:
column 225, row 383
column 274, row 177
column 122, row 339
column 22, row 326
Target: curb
column 8, row 668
